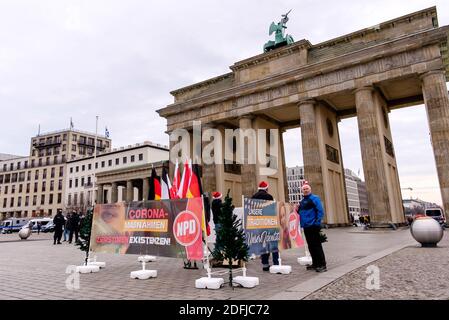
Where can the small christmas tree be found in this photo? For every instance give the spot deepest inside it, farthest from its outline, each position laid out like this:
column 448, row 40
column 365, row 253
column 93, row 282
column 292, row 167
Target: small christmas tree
column 232, row 235
column 85, row 230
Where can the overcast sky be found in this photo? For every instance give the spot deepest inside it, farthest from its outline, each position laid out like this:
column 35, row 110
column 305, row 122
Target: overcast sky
column 120, row 59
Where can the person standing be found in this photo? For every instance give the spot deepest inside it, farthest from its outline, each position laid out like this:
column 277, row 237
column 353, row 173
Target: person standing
column 66, row 227
column 39, row 226
column 58, row 221
column 311, row 213
column 263, row 194
column 74, row 226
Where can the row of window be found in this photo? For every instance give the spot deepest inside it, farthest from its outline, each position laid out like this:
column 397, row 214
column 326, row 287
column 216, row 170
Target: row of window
column 28, row 187
column 73, row 183
column 41, row 162
column 51, row 199
column 81, row 200
column 109, row 163
column 20, row 176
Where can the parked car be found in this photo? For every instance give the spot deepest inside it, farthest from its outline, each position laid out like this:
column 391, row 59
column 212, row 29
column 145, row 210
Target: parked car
column 13, row 224
column 437, row 214
column 49, row 227
column 43, row 221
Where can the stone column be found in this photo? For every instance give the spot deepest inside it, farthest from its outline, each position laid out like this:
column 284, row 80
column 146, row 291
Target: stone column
column 372, row 157
column 284, row 167
column 114, row 192
column 100, row 194
column 145, row 188
column 129, row 191
column 437, row 105
column 208, row 170
column 313, row 172
column 249, row 178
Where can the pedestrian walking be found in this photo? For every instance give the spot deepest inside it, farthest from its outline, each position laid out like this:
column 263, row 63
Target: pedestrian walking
column 263, row 194
column 311, row 213
column 39, row 226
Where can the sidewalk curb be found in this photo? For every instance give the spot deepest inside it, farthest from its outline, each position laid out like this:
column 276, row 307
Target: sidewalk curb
column 308, row 287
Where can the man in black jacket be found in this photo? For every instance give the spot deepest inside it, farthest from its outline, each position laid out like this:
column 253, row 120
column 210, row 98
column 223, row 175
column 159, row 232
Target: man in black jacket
column 263, row 194
column 58, row 221
column 74, row 226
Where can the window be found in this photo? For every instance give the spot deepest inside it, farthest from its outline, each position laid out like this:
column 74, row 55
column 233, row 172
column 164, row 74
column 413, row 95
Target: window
column 35, row 187
column 82, row 181
column 89, row 181
column 70, row 183
column 60, row 185
column 14, row 177
column 20, row 188
column 1, row 178
column 28, row 175
column 64, row 147
column 7, row 178
column 59, row 198
column 76, row 183
column 74, row 137
column 75, row 199
column 102, row 164
column 6, row 189
column 132, row 158
column 19, row 201
column 50, row 200
column 43, row 199
column 34, row 200
column 83, row 167
column 44, row 174
column 64, row 137
column 124, row 160
column 96, row 165
column 61, row 171
column 44, row 184
column 11, row 203
column 4, row 202
column 110, row 163
column 89, row 166
column 48, row 161
column 52, row 185
column 5, row 167
column 81, row 198
column 71, row 170
column 22, row 176
column 52, row 175
column 117, row 161
column 27, row 201
column 11, row 166
column 40, row 162
column 36, row 175
column 73, row 147
column 28, row 188
column 69, row 200
column 13, row 189
column 77, row 169
column 18, row 165
column 140, row 156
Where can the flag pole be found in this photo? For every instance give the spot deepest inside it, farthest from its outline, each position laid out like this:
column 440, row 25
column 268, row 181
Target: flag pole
column 94, row 183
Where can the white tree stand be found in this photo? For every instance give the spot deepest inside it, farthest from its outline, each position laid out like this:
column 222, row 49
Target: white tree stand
column 101, row 265
column 87, row 269
column 280, row 269
column 147, row 258
column 208, row 282
column 144, row 273
column 244, row 281
column 307, row 259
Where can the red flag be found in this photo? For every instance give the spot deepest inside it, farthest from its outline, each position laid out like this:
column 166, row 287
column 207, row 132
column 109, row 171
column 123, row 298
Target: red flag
column 185, row 180
column 194, row 186
column 176, row 180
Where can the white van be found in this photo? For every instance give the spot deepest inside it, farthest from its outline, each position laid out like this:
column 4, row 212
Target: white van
column 437, row 214
column 13, row 224
column 34, row 221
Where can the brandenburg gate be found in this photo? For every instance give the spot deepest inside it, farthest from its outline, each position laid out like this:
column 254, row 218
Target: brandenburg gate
column 367, row 73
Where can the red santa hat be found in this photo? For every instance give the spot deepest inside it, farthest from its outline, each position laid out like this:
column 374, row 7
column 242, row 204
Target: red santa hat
column 305, row 183
column 216, row 195
column 263, row 185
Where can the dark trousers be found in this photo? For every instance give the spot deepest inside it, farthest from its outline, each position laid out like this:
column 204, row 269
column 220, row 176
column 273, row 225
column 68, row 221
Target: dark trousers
column 57, row 236
column 316, row 249
column 265, row 259
column 71, row 235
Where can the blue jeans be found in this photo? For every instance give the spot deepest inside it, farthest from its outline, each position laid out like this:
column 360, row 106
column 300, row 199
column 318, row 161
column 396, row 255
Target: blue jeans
column 66, row 234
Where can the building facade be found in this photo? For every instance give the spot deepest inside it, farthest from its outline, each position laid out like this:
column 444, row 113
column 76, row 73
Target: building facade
column 295, row 180
column 34, row 185
column 83, row 174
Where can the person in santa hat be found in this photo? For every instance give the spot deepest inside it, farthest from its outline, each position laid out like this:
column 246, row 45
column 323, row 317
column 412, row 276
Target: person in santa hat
column 263, row 194
column 311, row 212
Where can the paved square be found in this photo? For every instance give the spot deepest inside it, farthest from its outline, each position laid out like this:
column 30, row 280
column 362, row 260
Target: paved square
column 36, row 269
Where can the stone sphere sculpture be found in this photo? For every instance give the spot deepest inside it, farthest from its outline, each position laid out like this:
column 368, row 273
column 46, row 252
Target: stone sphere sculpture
column 24, row 233
column 426, row 231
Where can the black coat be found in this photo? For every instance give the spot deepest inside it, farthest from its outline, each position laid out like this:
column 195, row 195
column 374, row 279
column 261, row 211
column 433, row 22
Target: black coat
column 262, row 194
column 59, row 221
column 216, row 210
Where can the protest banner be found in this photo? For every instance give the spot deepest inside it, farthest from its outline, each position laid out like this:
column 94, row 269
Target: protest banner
column 169, row 228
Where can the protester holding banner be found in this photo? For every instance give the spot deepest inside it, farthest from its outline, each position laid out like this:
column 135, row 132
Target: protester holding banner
column 263, row 194
column 311, row 213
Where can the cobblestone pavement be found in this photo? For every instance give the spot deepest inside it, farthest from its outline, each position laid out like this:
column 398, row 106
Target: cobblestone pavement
column 411, row 273
column 36, row 269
